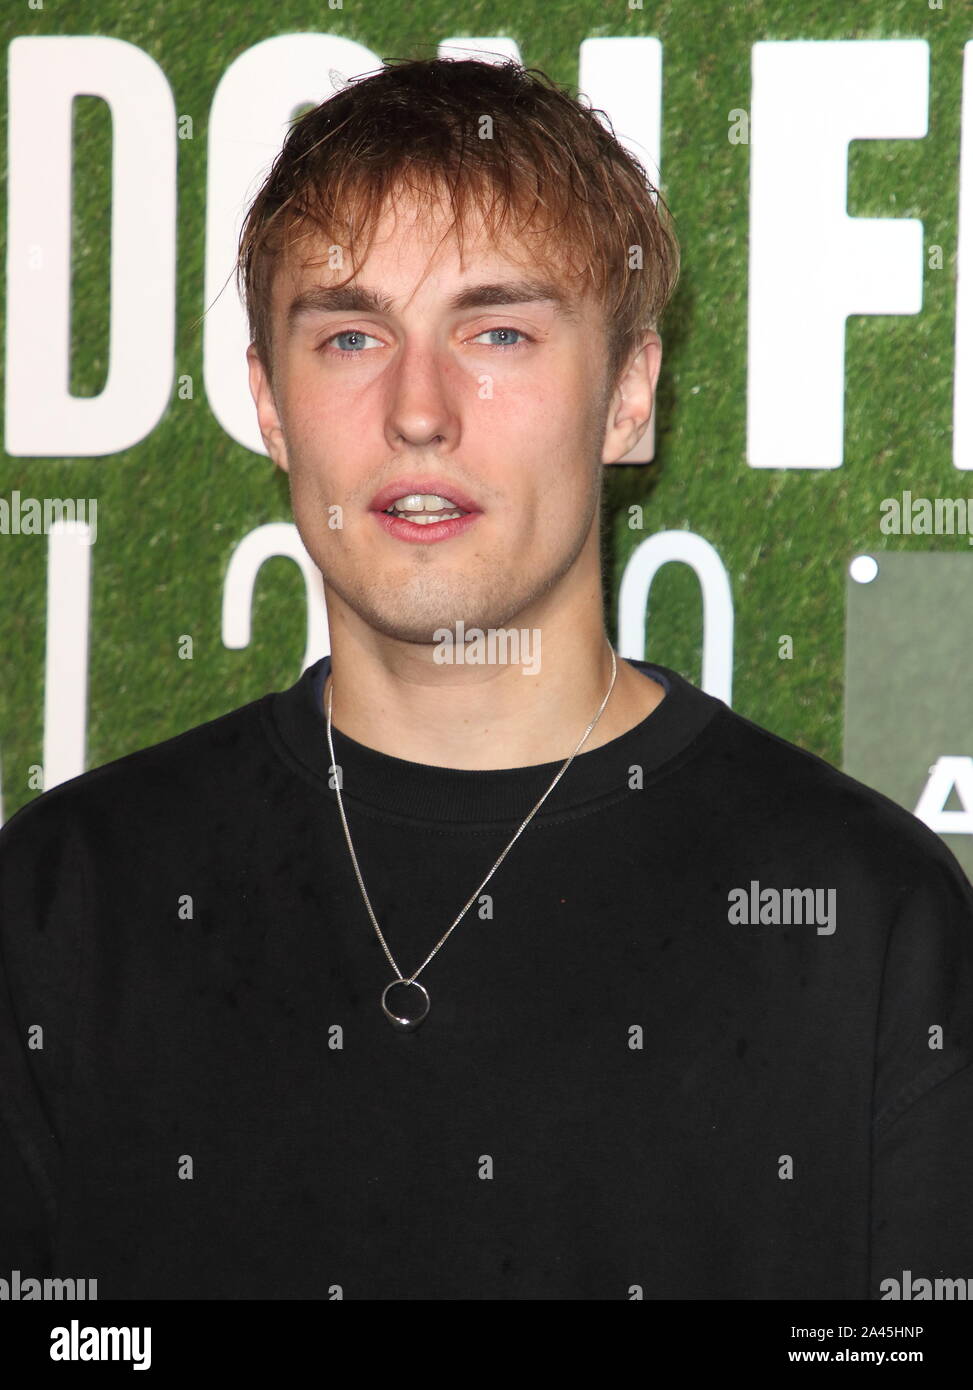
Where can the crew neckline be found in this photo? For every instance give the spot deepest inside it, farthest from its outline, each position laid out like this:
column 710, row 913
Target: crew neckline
column 394, row 788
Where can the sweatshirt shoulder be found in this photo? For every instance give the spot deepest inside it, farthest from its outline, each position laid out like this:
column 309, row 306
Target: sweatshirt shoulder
column 171, row 775
column 779, row 782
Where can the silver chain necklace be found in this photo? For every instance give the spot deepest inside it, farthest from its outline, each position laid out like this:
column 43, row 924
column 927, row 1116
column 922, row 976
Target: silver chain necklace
column 403, row 1021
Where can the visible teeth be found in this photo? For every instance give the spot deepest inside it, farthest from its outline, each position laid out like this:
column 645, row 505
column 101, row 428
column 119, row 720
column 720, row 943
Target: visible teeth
column 422, row 502
column 427, row 518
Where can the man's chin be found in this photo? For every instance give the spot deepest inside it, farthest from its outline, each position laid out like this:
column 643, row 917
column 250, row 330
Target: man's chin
column 432, row 634
column 413, row 613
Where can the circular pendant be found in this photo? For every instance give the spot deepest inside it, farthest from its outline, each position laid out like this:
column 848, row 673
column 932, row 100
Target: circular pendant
column 412, row 1009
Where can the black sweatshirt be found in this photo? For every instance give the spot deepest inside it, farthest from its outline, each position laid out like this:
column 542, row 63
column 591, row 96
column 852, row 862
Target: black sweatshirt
column 653, row 1066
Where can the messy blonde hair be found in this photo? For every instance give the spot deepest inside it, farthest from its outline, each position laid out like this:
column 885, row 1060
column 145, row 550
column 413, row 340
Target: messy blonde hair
column 583, row 204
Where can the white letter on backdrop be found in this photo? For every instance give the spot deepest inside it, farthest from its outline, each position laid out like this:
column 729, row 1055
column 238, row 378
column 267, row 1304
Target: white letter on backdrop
column 275, row 538
column 683, row 547
column 45, row 75
column 963, row 367
column 811, row 265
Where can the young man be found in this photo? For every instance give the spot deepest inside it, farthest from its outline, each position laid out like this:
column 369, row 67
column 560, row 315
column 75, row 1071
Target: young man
column 438, row 978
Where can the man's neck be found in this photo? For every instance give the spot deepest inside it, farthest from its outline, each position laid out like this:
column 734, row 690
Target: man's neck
column 481, row 718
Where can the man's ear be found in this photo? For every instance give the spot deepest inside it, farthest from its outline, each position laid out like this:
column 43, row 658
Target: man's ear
column 267, row 418
column 630, row 408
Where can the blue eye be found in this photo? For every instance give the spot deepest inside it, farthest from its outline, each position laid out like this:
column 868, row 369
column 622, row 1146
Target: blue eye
column 346, row 333
column 519, row 332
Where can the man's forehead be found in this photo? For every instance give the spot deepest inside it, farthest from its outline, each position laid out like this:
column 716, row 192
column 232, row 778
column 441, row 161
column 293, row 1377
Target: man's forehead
column 487, row 272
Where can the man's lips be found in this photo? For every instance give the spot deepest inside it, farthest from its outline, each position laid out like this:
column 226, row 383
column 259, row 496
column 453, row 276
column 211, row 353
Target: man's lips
column 431, row 533
column 404, row 487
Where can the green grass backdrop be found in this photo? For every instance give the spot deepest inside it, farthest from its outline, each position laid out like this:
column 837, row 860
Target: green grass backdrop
column 172, row 509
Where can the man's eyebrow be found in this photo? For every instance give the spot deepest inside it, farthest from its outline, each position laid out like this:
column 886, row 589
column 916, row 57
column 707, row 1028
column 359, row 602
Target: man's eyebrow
column 359, row 299
column 515, row 292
